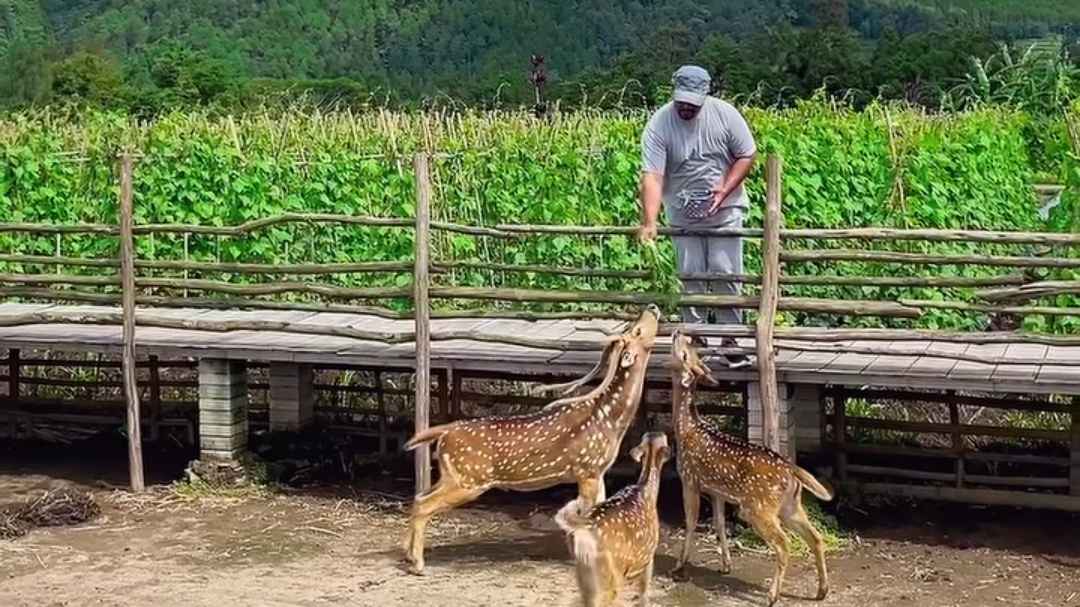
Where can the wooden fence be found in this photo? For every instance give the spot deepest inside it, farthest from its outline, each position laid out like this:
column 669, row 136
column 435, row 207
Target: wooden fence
column 1002, row 294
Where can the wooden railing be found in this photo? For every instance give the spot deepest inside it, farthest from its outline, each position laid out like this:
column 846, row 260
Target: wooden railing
column 1009, row 294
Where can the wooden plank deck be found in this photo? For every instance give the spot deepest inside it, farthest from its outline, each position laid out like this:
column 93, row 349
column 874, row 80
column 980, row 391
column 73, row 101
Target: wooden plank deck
column 907, row 364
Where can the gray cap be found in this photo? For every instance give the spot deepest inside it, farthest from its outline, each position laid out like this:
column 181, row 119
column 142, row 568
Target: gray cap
column 691, row 84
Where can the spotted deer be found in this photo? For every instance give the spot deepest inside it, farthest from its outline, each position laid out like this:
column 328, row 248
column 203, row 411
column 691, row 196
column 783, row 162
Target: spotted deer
column 571, row 440
column 766, row 487
column 615, row 541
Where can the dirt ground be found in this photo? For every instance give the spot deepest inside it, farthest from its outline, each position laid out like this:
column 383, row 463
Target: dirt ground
column 339, row 546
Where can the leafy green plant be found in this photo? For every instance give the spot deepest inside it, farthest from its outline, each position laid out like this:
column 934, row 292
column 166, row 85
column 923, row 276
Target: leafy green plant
column 887, row 165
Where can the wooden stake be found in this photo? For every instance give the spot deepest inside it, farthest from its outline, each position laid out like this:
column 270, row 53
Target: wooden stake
column 127, row 273
column 957, row 441
column 155, row 399
column 1074, row 469
column 840, row 434
column 770, row 298
column 422, row 314
column 13, row 374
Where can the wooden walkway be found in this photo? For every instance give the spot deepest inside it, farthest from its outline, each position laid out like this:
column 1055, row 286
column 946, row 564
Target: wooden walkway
column 900, row 364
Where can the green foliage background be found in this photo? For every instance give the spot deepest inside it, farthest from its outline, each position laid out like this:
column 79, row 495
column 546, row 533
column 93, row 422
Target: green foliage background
column 881, row 166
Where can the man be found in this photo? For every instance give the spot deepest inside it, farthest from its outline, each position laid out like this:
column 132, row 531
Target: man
column 696, row 152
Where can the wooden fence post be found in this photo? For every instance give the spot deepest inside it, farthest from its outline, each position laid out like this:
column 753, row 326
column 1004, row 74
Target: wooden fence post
column 155, row 399
column 422, row 314
column 127, row 280
column 770, row 296
column 1074, row 468
column 13, row 374
column 957, row 440
column 840, row 433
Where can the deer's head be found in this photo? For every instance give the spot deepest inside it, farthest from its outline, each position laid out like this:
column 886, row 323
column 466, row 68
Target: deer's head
column 687, row 362
column 636, row 342
column 651, row 453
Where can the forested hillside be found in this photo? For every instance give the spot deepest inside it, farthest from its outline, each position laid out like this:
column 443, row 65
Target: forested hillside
column 150, row 53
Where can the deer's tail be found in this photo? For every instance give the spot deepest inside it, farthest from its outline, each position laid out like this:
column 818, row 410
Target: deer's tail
column 812, row 484
column 426, row 436
column 571, row 520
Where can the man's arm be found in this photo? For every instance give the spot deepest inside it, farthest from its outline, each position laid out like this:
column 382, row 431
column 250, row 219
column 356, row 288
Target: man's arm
column 653, row 167
column 734, row 178
column 650, row 193
column 743, row 149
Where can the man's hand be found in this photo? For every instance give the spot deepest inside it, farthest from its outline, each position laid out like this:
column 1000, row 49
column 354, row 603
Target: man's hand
column 719, row 194
column 735, row 176
column 646, row 233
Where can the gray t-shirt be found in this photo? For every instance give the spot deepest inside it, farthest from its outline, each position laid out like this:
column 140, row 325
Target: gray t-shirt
column 695, row 155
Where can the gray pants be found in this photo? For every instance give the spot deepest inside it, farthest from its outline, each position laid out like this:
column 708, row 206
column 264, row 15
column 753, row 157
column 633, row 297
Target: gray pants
column 713, row 254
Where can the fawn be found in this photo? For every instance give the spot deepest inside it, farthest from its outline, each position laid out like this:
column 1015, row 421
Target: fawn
column 615, row 541
column 571, row 440
column 766, row 487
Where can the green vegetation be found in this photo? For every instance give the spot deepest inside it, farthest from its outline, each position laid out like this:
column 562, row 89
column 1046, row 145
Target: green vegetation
column 150, row 55
column 885, row 165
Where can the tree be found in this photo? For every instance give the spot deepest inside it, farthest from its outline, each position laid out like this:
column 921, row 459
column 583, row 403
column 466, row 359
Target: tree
column 88, row 77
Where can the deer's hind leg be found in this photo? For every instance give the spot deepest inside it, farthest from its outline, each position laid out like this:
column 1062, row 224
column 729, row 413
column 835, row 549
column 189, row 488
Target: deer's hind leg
column 766, row 524
column 598, row 581
column 445, row 495
column 795, row 518
column 643, row 582
column 691, row 509
column 720, row 527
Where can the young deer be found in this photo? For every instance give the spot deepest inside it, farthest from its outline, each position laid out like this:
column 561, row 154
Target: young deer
column 571, row 440
column 615, row 541
column 766, row 487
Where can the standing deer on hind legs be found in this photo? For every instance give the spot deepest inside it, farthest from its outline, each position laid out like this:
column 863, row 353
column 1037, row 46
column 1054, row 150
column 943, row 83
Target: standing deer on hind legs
column 571, row 440
column 765, row 486
column 616, row 540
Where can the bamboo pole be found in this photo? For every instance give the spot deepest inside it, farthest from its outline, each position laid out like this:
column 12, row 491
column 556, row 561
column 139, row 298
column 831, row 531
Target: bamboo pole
column 866, row 281
column 770, row 297
column 127, row 273
column 928, row 259
column 518, row 230
column 230, row 303
column 966, row 307
column 1028, row 292
column 422, row 314
column 797, row 304
column 539, row 269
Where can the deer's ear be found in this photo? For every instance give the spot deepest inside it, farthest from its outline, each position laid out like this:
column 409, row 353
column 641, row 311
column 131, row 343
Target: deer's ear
column 635, row 454
column 708, row 376
column 664, row 453
column 628, row 359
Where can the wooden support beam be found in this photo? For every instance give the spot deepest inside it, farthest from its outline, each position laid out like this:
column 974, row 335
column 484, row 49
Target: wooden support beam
column 13, row 374
column 127, row 275
column 840, row 435
column 380, row 397
column 155, row 399
column 422, row 314
column 770, row 297
column 1074, row 453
